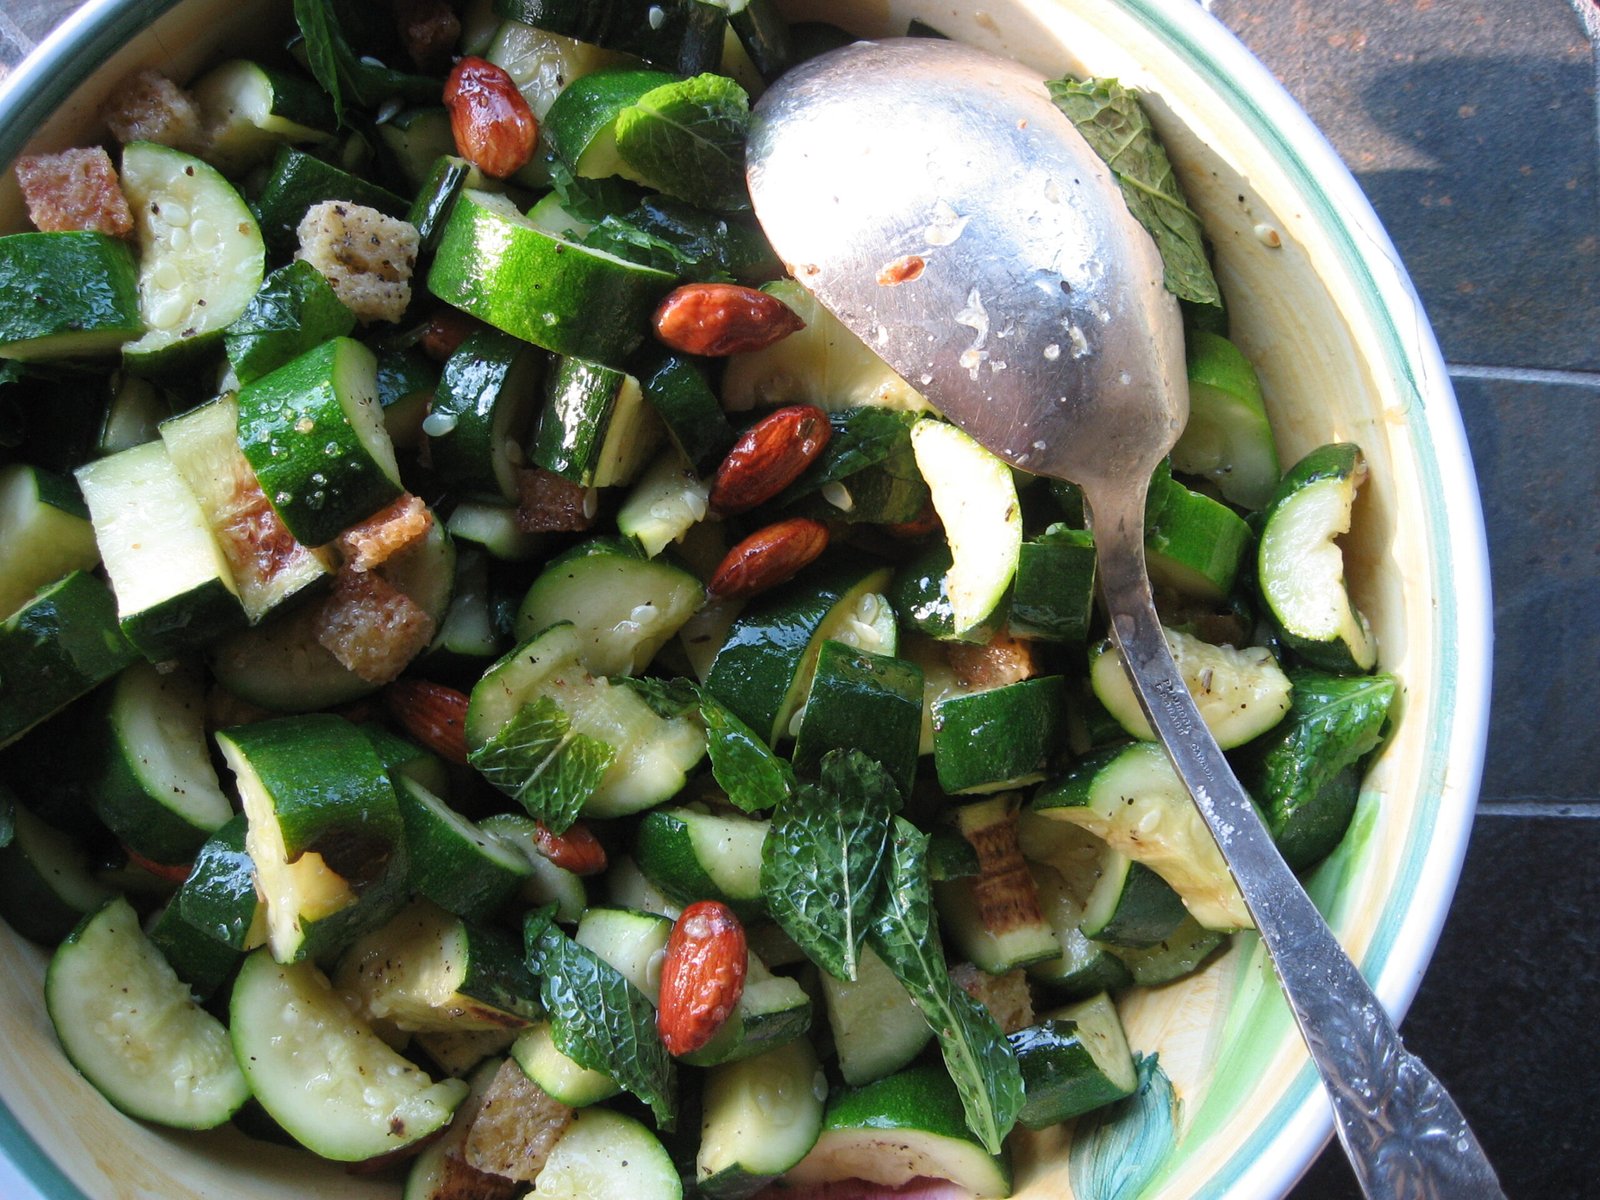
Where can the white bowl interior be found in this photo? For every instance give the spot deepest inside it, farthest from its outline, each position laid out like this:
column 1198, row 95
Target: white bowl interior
column 1322, row 307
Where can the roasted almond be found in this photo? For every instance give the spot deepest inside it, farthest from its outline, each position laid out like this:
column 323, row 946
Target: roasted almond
column 702, row 976
column 493, row 127
column 429, row 29
column 718, row 319
column 768, row 457
column 577, row 850
column 768, row 557
column 433, row 714
column 446, row 329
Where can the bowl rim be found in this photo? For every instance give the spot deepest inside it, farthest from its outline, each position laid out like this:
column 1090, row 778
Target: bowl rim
column 1300, row 1123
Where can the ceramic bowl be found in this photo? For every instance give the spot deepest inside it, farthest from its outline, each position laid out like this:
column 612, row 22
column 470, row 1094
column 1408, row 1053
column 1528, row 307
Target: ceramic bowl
column 1320, row 303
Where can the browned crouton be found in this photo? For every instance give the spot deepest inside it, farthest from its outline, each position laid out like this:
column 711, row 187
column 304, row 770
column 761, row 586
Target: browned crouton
column 75, row 190
column 547, row 503
column 1006, row 996
column 366, row 256
column 1004, row 660
column 383, row 535
column 516, row 1127
column 372, row 627
column 149, row 107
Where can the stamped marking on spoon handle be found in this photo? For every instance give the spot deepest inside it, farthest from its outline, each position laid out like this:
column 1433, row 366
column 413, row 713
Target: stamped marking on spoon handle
column 1405, row 1136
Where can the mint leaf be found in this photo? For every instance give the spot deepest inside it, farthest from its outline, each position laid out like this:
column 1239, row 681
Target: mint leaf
column 346, row 75
column 1115, row 126
column 597, row 1018
column 822, row 859
column 743, row 765
column 686, row 138
column 320, row 29
column 667, row 698
column 538, row 760
column 905, row 935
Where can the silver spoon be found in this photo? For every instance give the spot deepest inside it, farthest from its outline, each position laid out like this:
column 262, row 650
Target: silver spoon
column 936, row 200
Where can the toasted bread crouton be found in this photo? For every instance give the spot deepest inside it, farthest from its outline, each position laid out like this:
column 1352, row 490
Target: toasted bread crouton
column 1004, row 660
column 149, row 107
column 372, row 627
column 547, row 503
column 1006, row 996
column 459, row 1180
column 516, row 1127
column 384, row 534
column 366, row 256
column 75, row 190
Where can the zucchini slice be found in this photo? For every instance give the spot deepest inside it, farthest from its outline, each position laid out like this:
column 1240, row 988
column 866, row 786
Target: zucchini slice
column 604, row 1153
column 313, row 432
column 455, row 864
column 175, row 590
column 823, row 364
column 325, row 831
column 484, row 404
column 762, row 1116
column 46, row 885
column 45, row 533
column 129, row 1024
column 268, row 565
column 623, row 605
column 765, row 666
column 903, row 1127
column 429, row 971
column 55, row 648
column 323, row 1075
column 1300, row 565
column 861, row 701
column 66, row 294
column 596, row 428
column 158, row 791
column 692, row 855
column 497, row 265
column 975, row 495
column 201, row 257
column 653, row 754
column 1075, row 1060
column 877, row 1028
column 1241, row 692
column 994, row 917
column 1228, row 439
column 1131, row 797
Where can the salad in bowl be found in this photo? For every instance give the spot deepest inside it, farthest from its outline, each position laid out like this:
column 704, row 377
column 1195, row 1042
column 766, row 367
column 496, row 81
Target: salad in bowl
column 502, row 694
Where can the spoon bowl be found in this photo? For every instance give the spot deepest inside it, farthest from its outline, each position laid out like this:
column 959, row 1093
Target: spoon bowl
column 991, row 261
column 933, row 199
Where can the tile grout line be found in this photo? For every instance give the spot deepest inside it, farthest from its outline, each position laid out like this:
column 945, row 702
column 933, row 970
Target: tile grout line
column 1568, row 809
column 1590, row 379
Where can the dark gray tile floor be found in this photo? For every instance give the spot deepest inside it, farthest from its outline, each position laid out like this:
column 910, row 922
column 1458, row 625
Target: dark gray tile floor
column 1471, row 125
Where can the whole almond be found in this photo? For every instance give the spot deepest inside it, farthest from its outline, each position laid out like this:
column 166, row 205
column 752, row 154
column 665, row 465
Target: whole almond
column 493, row 127
column 446, row 329
column 768, row 457
column 702, row 976
column 719, row 319
column 577, row 850
column 433, row 714
column 768, row 557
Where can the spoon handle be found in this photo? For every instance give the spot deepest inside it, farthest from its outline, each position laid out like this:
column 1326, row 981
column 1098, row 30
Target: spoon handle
column 1404, row 1135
